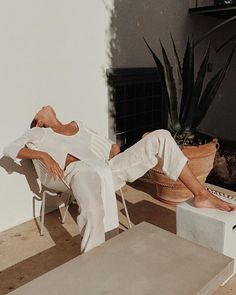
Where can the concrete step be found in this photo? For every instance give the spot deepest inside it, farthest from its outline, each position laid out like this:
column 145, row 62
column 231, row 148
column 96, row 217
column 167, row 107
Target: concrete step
column 141, row 261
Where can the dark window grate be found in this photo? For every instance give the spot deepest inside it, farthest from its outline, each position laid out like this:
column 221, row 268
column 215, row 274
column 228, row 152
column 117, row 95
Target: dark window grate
column 136, row 103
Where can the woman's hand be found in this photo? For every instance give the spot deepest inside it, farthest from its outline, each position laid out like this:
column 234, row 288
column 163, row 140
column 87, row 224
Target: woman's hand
column 115, row 149
column 52, row 166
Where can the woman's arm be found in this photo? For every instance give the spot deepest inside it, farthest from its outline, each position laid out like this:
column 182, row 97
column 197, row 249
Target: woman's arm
column 26, row 153
column 115, row 149
column 33, row 135
column 17, row 149
column 52, row 166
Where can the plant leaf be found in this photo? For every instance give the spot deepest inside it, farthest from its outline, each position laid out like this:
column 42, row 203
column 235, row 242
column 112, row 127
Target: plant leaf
column 225, row 43
column 200, row 111
column 176, row 56
column 214, row 29
column 171, row 88
column 161, row 72
column 197, row 90
column 211, row 89
column 178, row 69
column 188, row 80
column 159, row 67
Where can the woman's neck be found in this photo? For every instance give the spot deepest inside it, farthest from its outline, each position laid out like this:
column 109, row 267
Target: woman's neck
column 66, row 129
column 57, row 126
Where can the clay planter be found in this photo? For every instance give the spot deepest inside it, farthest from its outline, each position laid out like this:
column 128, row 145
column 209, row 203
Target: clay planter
column 201, row 159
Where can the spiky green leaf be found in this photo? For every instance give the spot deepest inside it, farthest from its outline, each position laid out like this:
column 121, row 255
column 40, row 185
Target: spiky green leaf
column 215, row 28
column 171, row 88
column 188, row 80
column 211, row 90
column 178, row 70
column 172, row 110
column 176, row 56
column 197, row 90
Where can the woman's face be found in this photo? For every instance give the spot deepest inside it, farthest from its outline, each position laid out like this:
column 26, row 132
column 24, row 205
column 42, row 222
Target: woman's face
column 45, row 116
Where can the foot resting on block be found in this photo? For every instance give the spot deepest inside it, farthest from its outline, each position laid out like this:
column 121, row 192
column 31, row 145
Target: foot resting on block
column 214, row 200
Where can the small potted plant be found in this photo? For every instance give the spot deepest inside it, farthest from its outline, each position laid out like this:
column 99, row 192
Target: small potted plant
column 188, row 102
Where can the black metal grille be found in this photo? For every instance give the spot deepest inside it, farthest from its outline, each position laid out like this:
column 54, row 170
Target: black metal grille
column 137, row 103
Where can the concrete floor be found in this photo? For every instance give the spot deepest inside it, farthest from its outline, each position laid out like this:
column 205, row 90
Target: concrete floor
column 24, row 255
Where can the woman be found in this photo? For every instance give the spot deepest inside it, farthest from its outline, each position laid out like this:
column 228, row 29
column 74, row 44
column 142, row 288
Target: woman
column 66, row 151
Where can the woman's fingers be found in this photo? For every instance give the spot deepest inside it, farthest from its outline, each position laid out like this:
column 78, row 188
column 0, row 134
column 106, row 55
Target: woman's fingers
column 53, row 167
column 52, row 172
column 58, row 171
column 55, row 170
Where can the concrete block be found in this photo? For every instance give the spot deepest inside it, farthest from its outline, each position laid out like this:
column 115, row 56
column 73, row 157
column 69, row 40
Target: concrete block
column 144, row 260
column 210, row 228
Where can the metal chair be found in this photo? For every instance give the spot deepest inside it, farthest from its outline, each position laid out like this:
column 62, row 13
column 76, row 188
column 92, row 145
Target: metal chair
column 48, row 183
column 60, row 186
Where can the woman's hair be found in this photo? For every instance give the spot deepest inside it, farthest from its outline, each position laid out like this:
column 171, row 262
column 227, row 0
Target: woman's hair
column 33, row 123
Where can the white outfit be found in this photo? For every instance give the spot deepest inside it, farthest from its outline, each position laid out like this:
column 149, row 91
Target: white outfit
column 144, row 155
column 94, row 179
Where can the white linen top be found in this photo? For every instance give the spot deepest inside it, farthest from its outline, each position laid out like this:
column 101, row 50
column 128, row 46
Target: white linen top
column 85, row 145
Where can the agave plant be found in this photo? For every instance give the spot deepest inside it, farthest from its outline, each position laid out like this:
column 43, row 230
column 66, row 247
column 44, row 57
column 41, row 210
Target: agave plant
column 188, row 100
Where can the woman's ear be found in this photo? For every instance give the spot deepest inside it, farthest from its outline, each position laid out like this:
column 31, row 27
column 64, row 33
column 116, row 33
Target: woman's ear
column 39, row 123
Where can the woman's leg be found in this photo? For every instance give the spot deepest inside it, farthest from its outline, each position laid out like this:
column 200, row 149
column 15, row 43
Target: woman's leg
column 144, row 155
column 202, row 198
column 86, row 188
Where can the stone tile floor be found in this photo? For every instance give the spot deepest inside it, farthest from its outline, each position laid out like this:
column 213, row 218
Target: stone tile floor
column 24, row 255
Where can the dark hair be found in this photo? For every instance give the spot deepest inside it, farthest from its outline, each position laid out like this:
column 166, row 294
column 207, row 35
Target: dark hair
column 33, row 123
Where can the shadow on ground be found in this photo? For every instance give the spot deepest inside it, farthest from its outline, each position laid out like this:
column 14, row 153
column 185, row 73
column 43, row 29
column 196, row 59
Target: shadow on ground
column 67, row 247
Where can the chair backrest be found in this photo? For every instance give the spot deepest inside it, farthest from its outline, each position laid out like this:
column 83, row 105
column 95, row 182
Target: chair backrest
column 58, row 185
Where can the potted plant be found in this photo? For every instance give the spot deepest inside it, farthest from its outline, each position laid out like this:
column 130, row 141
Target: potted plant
column 188, row 102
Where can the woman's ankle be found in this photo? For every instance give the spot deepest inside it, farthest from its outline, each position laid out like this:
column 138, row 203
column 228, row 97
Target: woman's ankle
column 201, row 194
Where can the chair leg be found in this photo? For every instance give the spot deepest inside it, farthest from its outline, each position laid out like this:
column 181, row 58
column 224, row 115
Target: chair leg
column 67, row 207
column 42, row 213
column 125, row 207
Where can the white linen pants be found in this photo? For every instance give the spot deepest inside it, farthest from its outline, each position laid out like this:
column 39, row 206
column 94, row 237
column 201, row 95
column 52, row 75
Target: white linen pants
column 87, row 182
column 144, row 155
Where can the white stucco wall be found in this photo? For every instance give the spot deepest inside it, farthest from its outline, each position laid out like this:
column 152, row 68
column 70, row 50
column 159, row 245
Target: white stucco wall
column 51, row 52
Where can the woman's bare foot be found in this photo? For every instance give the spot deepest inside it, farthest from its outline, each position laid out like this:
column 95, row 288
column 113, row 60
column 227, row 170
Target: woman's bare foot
column 207, row 200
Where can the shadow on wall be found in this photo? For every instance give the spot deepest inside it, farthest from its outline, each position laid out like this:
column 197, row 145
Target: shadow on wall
column 25, row 168
column 219, row 120
column 130, row 21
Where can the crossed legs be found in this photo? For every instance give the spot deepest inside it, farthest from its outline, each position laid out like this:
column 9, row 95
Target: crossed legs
column 142, row 156
column 128, row 166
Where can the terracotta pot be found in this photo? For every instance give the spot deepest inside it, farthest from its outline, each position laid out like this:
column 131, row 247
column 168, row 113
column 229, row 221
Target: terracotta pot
column 201, row 159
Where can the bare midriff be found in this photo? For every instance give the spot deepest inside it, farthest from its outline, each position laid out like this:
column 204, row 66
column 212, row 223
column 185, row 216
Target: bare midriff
column 70, row 159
